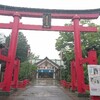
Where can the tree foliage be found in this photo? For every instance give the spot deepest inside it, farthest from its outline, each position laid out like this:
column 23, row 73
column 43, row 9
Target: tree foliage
column 22, row 46
column 65, row 43
column 27, row 70
column 2, row 38
column 32, row 56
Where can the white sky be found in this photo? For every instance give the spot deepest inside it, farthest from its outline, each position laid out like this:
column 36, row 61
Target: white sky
column 42, row 42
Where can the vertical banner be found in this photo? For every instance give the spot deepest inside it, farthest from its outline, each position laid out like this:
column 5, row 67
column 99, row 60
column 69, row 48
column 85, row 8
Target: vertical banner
column 94, row 79
column 46, row 20
column 0, row 68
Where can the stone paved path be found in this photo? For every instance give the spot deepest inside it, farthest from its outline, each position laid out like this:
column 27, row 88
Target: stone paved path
column 42, row 90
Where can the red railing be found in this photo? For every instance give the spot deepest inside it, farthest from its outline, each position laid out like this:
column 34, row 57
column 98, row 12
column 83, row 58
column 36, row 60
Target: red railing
column 23, row 84
column 65, row 84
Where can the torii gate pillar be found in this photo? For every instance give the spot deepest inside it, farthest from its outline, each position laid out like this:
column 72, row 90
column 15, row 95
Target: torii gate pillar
column 11, row 54
column 78, row 55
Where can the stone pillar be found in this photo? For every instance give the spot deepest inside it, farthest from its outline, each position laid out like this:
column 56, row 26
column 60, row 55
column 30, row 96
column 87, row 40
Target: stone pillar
column 37, row 76
column 0, row 73
column 54, row 73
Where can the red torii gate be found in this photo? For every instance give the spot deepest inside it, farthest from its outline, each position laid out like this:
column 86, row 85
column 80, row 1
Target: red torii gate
column 16, row 26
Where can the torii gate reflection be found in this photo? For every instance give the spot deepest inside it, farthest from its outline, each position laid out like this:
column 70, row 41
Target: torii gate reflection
column 16, row 26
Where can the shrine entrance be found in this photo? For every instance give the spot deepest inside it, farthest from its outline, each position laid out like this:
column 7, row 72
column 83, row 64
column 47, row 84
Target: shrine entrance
column 45, row 75
column 46, row 68
column 12, row 64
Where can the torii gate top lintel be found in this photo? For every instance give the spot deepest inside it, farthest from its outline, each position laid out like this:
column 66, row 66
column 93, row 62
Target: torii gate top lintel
column 39, row 13
column 61, row 14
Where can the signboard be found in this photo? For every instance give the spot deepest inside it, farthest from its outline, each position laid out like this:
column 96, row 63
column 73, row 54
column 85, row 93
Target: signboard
column 47, row 71
column 46, row 20
column 94, row 79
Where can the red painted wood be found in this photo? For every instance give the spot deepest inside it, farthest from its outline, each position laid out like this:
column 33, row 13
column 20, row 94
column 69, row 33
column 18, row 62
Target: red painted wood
column 78, row 56
column 56, row 28
column 95, row 98
column 53, row 28
column 4, row 58
column 39, row 15
column 6, row 25
column 39, row 27
column 73, row 76
column 92, row 57
column 16, row 73
column 11, row 54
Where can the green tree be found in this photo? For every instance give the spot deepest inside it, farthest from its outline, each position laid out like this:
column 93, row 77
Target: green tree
column 27, row 71
column 32, row 56
column 65, row 44
column 22, row 46
column 2, row 40
column 88, row 41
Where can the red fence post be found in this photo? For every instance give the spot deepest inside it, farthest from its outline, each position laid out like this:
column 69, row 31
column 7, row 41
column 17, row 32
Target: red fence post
column 73, row 76
column 16, row 73
column 11, row 54
column 92, row 57
column 95, row 98
column 78, row 55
